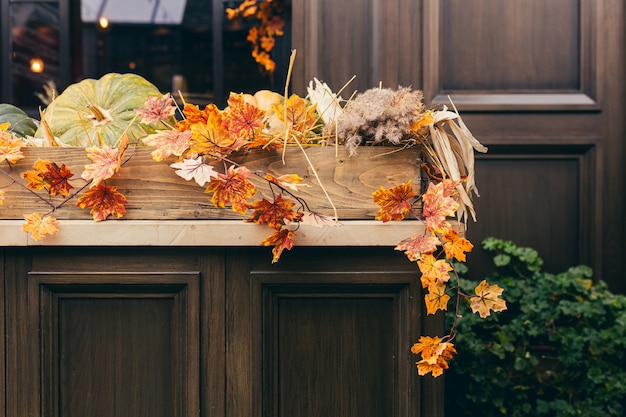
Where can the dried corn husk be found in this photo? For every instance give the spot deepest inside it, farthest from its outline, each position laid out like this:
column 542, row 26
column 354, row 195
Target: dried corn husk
column 454, row 156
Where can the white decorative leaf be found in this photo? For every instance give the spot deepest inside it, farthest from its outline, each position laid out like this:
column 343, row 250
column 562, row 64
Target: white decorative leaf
column 195, row 169
column 318, row 220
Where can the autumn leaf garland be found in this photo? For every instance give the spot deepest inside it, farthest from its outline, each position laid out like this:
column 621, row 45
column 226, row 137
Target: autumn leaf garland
column 434, row 251
column 267, row 14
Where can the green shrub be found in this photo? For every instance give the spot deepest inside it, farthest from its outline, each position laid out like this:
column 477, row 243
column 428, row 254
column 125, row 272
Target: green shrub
column 559, row 350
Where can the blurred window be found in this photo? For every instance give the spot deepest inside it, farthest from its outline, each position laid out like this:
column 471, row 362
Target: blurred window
column 186, row 45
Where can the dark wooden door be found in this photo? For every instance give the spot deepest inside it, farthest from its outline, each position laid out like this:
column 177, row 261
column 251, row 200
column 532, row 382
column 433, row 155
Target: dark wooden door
column 94, row 332
column 541, row 83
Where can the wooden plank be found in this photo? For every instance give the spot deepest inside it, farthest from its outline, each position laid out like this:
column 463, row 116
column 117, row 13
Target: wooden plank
column 211, row 233
column 154, row 191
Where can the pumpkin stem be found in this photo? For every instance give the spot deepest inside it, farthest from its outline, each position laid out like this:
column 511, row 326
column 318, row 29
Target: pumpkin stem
column 97, row 113
column 99, row 116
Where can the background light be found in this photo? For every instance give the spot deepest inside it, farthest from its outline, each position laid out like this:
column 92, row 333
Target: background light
column 103, row 22
column 36, row 65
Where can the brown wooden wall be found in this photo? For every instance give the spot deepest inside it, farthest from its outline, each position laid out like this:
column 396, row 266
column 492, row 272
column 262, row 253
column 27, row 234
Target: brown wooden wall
column 541, row 83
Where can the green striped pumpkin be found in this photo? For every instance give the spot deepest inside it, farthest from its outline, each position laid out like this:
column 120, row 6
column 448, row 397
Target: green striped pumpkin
column 95, row 112
column 21, row 124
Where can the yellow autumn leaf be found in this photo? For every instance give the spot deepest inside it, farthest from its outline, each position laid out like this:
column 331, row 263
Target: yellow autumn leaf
column 39, row 226
column 436, row 299
column 433, row 270
column 487, row 299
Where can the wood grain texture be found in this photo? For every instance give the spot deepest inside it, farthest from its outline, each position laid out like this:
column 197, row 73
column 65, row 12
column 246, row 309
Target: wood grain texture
column 316, row 376
column 208, row 331
column 154, row 191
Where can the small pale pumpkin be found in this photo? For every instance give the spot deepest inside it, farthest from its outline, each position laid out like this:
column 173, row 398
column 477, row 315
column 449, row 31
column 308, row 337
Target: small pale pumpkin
column 263, row 99
column 21, row 124
column 95, row 112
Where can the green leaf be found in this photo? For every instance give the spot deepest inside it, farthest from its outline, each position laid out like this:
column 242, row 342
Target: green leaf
column 501, row 260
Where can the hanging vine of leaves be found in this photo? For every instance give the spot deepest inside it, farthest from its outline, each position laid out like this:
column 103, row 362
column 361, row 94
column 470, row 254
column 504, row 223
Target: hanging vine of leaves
column 436, row 251
column 268, row 23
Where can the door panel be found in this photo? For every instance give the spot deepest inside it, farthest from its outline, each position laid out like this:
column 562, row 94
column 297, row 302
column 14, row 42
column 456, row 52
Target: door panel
column 514, row 55
column 331, row 353
column 335, row 326
column 86, row 339
column 123, row 348
column 538, row 182
column 541, row 63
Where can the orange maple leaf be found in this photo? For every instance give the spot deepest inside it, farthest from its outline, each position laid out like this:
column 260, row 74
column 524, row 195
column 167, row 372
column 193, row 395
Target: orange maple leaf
column 267, row 43
column 10, row 146
column 436, row 299
column 426, row 118
column 35, row 177
column 395, row 203
column 450, row 187
column 232, row 187
column 455, row 246
column 281, row 240
column 39, row 226
column 103, row 201
column 242, row 120
column 57, row 179
column 193, row 115
column 415, row 246
column 246, row 9
column 437, row 207
column 289, row 181
column 300, row 114
column 106, row 164
column 433, row 270
column 486, row 299
column 264, row 59
column 212, row 138
column 276, row 214
column 50, row 176
column 435, row 354
column 253, row 35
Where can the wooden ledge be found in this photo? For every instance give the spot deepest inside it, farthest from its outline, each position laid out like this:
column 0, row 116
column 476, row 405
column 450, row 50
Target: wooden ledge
column 207, row 233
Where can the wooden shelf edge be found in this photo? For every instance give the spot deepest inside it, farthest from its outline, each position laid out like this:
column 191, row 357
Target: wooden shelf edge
column 207, row 233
